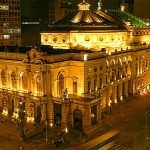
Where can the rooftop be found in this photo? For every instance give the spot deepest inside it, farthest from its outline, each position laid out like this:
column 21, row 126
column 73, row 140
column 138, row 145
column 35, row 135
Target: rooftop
column 85, row 19
column 127, row 17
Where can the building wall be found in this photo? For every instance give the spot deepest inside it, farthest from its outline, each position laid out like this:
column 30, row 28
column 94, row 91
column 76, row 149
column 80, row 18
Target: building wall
column 36, row 85
column 82, row 40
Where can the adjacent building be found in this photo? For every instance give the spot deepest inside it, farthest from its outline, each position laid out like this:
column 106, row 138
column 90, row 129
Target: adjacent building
column 34, row 17
column 87, row 62
column 10, row 24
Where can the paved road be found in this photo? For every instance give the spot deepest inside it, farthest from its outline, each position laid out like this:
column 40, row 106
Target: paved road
column 128, row 116
column 130, row 119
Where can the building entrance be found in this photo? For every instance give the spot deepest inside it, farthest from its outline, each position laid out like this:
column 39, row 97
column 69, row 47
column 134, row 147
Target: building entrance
column 57, row 114
column 77, row 116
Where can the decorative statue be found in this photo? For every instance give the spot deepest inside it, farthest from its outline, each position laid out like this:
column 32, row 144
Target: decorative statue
column 65, row 94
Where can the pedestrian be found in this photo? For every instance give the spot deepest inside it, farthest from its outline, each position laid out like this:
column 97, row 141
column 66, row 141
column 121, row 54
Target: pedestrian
column 147, row 108
column 21, row 147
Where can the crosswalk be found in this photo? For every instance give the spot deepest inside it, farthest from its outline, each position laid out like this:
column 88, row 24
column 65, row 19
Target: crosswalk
column 118, row 147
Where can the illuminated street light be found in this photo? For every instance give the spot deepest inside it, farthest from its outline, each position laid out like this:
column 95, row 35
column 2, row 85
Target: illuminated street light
column 146, row 117
column 21, row 117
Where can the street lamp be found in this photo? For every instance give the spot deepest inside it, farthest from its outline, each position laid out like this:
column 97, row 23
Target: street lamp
column 46, row 122
column 146, row 117
column 21, row 117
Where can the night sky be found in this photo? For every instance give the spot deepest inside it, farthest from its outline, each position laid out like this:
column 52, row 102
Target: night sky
column 141, row 7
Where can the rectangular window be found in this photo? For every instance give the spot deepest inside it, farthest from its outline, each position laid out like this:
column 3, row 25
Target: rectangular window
column 89, row 86
column 100, row 83
column 136, row 70
column 6, row 36
column 74, row 87
column 95, row 85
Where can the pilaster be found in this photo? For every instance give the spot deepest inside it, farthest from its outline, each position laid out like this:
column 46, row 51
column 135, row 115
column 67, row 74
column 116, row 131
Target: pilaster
column 50, row 111
column 114, row 93
column 126, row 89
column 65, row 114
column 120, row 91
column 87, row 119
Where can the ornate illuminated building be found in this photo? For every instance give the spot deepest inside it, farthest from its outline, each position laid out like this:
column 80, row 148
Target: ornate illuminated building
column 10, row 24
column 89, row 61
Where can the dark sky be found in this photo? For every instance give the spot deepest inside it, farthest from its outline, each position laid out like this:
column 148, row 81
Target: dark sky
column 35, row 8
column 141, row 7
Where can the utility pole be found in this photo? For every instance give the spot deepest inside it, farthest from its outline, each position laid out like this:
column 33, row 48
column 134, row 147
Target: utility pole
column 146, row 117
column 21, row 117
column 46, row 123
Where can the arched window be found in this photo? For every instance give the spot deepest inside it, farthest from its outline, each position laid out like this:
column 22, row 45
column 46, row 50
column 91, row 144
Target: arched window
column 100, row 82
column 60, row 83
column 95, row 82
column 13, row 80
column 118, row 74
column 75, row 85
column 3, row 78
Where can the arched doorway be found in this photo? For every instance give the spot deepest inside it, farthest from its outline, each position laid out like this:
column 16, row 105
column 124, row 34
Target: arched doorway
column 123, row 89
column 39, row 115
column 57, row 114
column 58, row 118
column 77, row 116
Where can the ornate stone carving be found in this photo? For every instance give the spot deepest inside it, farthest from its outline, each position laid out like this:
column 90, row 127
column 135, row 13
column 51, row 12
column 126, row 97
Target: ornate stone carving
column 33, row 56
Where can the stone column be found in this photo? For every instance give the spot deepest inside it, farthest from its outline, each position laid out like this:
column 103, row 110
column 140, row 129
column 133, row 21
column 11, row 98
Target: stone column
column 87, row 119
column 131, row 86
column 17, row 83
column 8, row 80
column 65, row 114
column 50, row 111
column 28, row 109
column 28, row 70
column 82, row 84
column 107, row 100
column 44, row 111
column 126, row 89
column 107, row 96
column 0, row 79
column 99, row 111
column 120, row 91
column 114, row 91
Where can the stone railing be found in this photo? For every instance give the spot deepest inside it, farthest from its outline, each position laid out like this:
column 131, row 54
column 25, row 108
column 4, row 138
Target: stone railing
column 14, row 56
column 75, row 56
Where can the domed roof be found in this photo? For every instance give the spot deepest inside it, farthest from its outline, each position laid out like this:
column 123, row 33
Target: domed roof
column 85, row 18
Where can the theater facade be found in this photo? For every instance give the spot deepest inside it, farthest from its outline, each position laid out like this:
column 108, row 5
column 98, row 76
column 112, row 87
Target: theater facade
column 87, row 62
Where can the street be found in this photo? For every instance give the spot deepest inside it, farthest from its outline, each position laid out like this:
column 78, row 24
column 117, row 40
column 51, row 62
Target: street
column 130, row 116
column 133, row 121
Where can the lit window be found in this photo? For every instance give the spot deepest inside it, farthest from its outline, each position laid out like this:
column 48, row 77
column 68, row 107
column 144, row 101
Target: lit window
column 6, row 36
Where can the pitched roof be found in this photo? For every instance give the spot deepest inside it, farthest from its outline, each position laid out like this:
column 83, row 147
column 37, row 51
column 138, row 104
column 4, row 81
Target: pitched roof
column 85, row 19
column 127, row 17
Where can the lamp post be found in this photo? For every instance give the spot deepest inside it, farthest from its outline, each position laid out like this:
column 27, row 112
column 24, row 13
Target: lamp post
column 146, row 117
column 21, row 117
column 45, row 122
